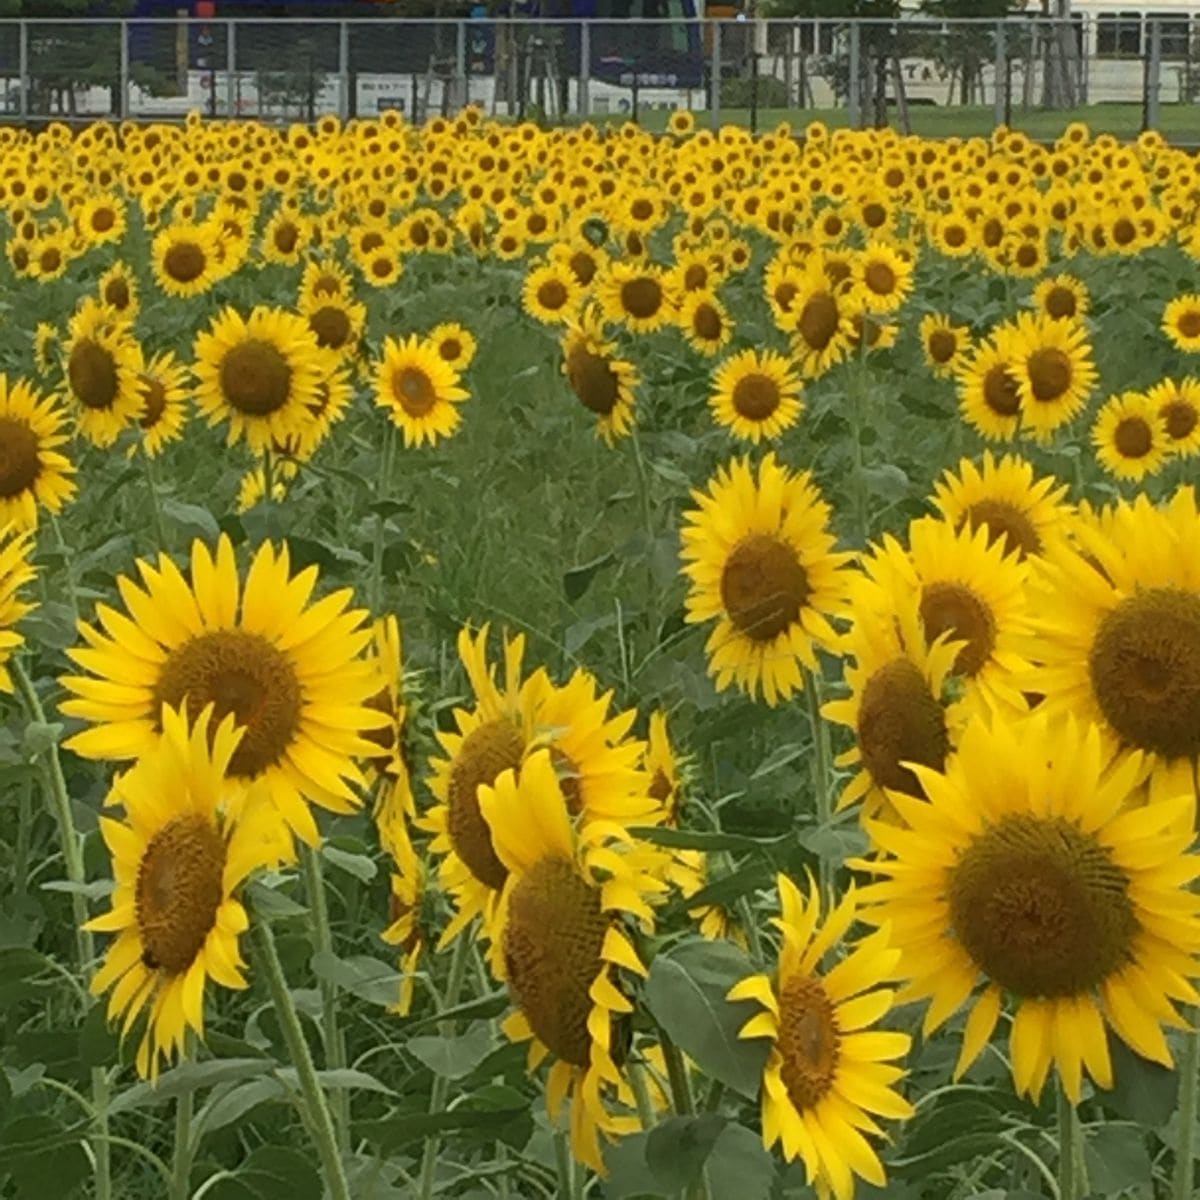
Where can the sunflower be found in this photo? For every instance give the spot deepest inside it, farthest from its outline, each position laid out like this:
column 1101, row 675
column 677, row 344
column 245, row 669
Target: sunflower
column 1006, row 498
column 454, row 343
column 179, row 857
column 1181, row 322
column 261, row 372
column 117, row 289
column 1178, row 404
column 184, row 259
column 817, row 319
column 827, row 1071
column 760, row 562
column 885, row 277
column 705, row 322
column 324, row 279
column 419, row 389
column 16, row 570
column 568, row 895
column 103, row 366
column 967, row 586
column 252, row 490
column 1030, row 867
column 1054, row 371
column 389, row 757
column 1116, row 635
column 945, row 344
column 1062, row 298
column 285, row 238
column 45, row 344
column 289, row 671
column 636, row 295
column 602, row 383
column 166, row 384
column 101, row 219
column 989, row 390
column 407, row 928
column 551, row 293
column 32, row 471
column 336, row 322
column 1130, row 436
column 755, row 395
column 681, row 122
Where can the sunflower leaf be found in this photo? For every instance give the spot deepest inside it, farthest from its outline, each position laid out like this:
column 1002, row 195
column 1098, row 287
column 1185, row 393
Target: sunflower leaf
column 578, row 579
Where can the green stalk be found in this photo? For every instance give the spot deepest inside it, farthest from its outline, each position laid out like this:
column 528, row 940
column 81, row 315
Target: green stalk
column 316, row 1109
column 382, row 491
column 441, row 1085
column 335, row 1040
column 181, row 1158
column 648, row 522
column 61, row 543
column 567, row 1175
column 681, row 1088
column 155, row 501
column 55, row 789
column 1070, row 1181
column 1189, row 1074
column 268, row 477
column 641, row 1095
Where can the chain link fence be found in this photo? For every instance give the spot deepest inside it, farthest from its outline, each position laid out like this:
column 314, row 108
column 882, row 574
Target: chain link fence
column 917, row 74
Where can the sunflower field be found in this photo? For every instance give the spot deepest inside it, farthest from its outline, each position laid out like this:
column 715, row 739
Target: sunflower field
column 583, row 663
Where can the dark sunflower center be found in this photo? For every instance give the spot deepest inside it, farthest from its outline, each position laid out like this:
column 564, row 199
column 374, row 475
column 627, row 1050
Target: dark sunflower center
column 1061, row 302
column 583, row 267
column 450, row 349
column 1028, row 255
column 414, row 391
column 1049, row 374
column 819, row 321
column 954, row 236
column 763, row 587
column 784, row 294
column 900, row 720
column 808, row 1041
column 116, row 293
column 942, row 345
column 1000, row 392
column 956, row 609
column 243, row 674
column 1124, row 231
column 103, row 219
column 1133, row 438
column 50, row 259
column 1189, row 323
column 1040, row 907
column 488, row 750
column 706, row 323
column 20, row 462
column 552, row 946
column 755, row 396
column 1181, row 419
column 286, row 237
column 382, row 266
column 385, row 736
column 1145, row 671
column 660, row 788
column 552, row 294
column 184, row 262
column 327, row 285
column 641, row 298
column 179, row 889
column 256, row 378
column 154, row 401
column 880, row 278
column 1004, row 520
column 93, row 374
column 331, row 325
column 593, row 380
column 874, row 215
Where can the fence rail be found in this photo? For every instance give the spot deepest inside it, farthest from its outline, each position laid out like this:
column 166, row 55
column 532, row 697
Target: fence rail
column 871, row 72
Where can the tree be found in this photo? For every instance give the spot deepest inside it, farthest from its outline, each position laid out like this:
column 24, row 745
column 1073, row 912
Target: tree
column 966, row 48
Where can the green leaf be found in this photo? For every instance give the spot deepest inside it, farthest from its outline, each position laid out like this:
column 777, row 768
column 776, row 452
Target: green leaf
column 358, row 865
column 947, row 1154
column 628, row 1174
column 189, row 1077
column 271, row 904
column 685, row 992
column 39, row 737
column 239, row 1100
column 887, row 481
column 1116, row 1159
column 191, row 520
column 348, row 1078
column 578, row 579
column 780, row 757
column 454, row 1057
column 956, row 1114
column 695, row 839
column 42, row 1158
column 740, row 1166
column 678, row 1148
column 480, row 1009
column 1142, row 1091
column 370, row 979
column 99, row 1045
column 273, row 1173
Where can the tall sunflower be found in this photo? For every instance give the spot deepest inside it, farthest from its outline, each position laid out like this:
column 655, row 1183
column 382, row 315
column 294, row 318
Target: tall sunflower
column 419, row 390
column 103, row 366
column 1130, row 436
column 828, row 1073
column 704, row 321
column 1052, row 362
column 760, row 561
column 1031, row 869
column 637, row 296
column 989, row 389
column 179, row 856
column 944, row 343
column 32, row 470
column 603, row 383
column 1062, row 298
column 755, row 395
column 166, row 384
column 1181, row 322
column 1178, row 404
column 118, row 290
column 289, row 670
column 568, row 895
column 16, row 570
column 185, row 259
column 454, row 343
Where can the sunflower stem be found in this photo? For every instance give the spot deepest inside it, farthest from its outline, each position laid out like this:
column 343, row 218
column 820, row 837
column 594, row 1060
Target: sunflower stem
column 820, row 768
column 268, row 477
column 641, row 1095
column 677, row 1076
column 437, row 1098
column 1182, row 1182
column 383, row 491
column 1070, row 1150
column 316, row 1108
column 155, row 500
column 334, row 1037
column 567, row 1175
column 64, row 550
column 181, row 1156
column 648, row 523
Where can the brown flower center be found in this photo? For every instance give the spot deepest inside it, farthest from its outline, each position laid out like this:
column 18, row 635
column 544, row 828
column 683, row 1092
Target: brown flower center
column 1001, row 393
column 255, row 378
column 583, row 266
column 808, row 1041
column 1004, row 520
column 819, row 320
column 1133, row 437
column 706, row 323
column 942, row 345
column 184, row 262
column 900, row 720
column 1181, row 418
column 286, row 237
column 593, row 380
column 1049, row 374
column 641, row 298
column 756, row 396
column 880, row 278
column 93, row 374
column 1061, row 302
column 954, row 608
column 1124, row 231
column 155, row 400
column 116, row 293
column 1189, row 323
column 764, row 586
column 450, row 348
column 552, row 295
column 332, row 326
column 103, row 219
column 20, row 462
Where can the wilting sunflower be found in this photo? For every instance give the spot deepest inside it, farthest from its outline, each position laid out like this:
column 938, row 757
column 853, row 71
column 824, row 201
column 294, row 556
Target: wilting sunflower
column 602, row 383
column 179, row 856
column 705, row 322
column 407, row 929
column 260, row 372
column 16, row 547
column 184, row 259
column 32, row 471
column 389, row 756
column 1062, row 298
column 454, row 343
column 419, row 390
column 288, row 670
column 336, row 322
column 1130, row 436
column 760, row 561
column 828, row 1071
column 1178, row 404
column 1005, row 497
column 989, row 390
column 551, row 293
column 567, row 897
column 755, row 395
column 636, row 295
column 1116, row 631
column 166, row 383
column 1031, row 868
column 117, row 289
column 1181, row 322
column 103, row 366
column 945, row 344
column 1052, row 363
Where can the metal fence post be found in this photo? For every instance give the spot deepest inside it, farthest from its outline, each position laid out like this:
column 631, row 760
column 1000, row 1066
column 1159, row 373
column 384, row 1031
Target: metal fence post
column 715, row 83
column 123, row 72
column 1153, row 76
column 344, row 106
column 460, row 64
column 231, row 67
column 585, row 69
column 854, row 83
column 23, row 68
column 1001, row 66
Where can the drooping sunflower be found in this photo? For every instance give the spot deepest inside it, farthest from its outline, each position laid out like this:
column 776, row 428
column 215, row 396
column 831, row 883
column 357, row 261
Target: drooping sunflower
column 1116, row 632
column 289, row 670
column 117, row 289
column 759, row 558
column 1178, row 404
column 16, row 570
column 967, row 586
column 755, row 395
column 1130, row 436
column 1016, row 507
column 1181, row 322
column 179, row 857
column 569, row 892
column 32, row 471
column 407, row 927
column 454, row 343
column 166, row 383
column 389, row 758
column 1029, row 867
column 828, row 1073
column 1052, row 362
column 603, row 383
column 989, row 391
column 185, row 259
column 1062, row 298
column 636, row 295
column 259, row 372
column 944, row 343
column 103, row 366
column 705, row 321
column 419, row 390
